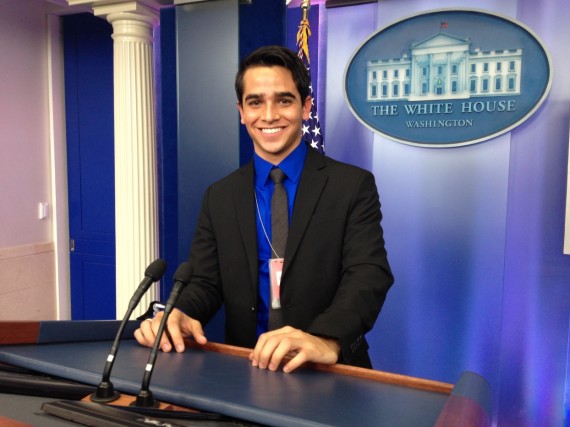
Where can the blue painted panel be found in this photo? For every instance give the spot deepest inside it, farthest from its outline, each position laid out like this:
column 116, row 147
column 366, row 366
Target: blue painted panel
column 167, row 143
column 88, row 50
column 95, row 300
column 259, row 26
column 208, row 120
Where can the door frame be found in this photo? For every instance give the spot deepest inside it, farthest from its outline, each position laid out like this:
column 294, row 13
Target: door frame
column 58, row 165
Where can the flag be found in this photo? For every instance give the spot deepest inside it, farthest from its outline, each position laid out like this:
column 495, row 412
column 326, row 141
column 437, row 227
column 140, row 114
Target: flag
column 312, row 131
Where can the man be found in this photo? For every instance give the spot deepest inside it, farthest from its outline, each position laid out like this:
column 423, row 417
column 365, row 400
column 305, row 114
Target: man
column 333, row 273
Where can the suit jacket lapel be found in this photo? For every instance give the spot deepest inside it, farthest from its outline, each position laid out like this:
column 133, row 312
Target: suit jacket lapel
column 310, row 188
column 245, row 208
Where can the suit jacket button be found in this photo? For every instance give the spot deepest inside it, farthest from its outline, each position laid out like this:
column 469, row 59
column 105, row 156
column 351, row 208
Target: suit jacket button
column 252, row 308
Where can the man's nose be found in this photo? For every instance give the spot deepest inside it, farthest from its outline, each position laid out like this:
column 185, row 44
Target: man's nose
column 271, row 112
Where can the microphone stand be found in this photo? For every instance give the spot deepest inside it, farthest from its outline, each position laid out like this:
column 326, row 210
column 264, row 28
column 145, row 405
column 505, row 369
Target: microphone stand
column 181, row 279
column 105, row 391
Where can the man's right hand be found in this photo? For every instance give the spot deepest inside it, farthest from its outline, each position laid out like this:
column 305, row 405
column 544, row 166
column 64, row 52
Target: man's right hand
column 178, row 327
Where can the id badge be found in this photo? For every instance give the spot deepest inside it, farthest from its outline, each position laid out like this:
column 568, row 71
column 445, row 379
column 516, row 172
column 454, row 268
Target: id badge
column 275, row 272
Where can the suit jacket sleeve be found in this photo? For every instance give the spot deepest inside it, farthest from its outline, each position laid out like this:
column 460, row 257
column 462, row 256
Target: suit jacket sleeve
column 202, row 298
column 224, row 259
column 343, row 258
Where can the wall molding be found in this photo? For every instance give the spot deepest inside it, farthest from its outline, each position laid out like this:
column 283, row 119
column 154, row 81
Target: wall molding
column 26, row 250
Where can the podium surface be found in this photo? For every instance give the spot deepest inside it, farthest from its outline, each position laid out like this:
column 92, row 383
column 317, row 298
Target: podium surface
column 215, row 381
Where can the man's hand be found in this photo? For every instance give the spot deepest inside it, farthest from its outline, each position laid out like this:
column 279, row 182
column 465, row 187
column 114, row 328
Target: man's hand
column 300, row 346
column 177, row 328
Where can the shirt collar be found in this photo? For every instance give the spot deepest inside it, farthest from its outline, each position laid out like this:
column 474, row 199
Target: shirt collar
column 292, row 165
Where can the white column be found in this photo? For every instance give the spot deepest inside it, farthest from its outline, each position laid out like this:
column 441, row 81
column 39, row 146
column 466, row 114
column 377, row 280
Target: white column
column 136, row 200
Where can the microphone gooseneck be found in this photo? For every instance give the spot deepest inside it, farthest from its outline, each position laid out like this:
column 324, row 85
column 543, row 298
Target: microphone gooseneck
column 105, row 391
column 182, row 277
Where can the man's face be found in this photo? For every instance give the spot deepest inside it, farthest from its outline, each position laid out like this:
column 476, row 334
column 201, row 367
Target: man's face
column 272, row 111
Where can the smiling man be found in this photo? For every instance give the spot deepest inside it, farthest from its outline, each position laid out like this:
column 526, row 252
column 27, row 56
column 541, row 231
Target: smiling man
column 310, row 291
column 272, row 110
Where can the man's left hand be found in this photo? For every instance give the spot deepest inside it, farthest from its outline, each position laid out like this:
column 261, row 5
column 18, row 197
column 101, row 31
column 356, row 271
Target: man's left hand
column 272, row 347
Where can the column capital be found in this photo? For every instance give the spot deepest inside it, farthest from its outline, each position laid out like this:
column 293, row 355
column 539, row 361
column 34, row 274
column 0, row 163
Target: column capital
column 156, row 4
column 142, row 8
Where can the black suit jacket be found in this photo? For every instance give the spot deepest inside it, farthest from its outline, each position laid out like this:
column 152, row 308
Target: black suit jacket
column 336, row 273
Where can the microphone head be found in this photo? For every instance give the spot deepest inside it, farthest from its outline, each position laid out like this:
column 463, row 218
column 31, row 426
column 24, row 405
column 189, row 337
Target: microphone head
column 155, row 270
column 183, row 273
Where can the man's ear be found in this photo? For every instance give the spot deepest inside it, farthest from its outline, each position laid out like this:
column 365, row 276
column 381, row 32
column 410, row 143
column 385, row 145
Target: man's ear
column 240, row 109
column 307, row 104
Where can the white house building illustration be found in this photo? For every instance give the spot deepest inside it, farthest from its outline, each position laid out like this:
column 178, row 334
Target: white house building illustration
column 442, row 67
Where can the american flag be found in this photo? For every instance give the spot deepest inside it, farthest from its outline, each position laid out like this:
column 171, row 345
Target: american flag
column 312, row 131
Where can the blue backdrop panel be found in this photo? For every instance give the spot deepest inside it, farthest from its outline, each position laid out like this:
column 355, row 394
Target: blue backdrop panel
column 474, row 234
column 444, row 222
column 346, row 139
column 444, row 216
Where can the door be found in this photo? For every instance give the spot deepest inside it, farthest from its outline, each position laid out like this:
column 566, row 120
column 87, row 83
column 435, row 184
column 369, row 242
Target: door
column 88, row 62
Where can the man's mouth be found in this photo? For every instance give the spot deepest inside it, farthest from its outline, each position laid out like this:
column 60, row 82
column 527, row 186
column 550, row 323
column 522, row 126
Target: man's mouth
column 271, row 130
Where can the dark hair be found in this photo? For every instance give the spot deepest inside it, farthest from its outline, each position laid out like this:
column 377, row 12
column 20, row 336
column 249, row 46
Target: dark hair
column 269, row 56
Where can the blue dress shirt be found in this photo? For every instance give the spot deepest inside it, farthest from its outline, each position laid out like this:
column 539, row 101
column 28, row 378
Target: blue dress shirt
column 292, row 166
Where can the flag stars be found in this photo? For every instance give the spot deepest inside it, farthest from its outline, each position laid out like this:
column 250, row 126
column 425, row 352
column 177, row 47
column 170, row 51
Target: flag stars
column 311, row 129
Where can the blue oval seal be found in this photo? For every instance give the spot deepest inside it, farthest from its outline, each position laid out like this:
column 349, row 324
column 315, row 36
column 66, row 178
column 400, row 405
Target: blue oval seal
column 447, row 78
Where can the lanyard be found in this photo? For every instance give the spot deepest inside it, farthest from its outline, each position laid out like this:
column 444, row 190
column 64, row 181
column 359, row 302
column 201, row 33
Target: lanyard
column 263, row 226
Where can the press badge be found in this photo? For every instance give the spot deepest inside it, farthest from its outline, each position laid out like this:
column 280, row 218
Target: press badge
column 275, row 271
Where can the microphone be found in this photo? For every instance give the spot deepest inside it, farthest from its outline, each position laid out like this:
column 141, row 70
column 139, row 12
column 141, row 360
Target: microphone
column 181, row 279
column 105, row 391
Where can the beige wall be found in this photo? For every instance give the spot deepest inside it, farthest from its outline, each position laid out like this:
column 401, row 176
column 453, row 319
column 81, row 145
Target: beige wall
column 27, row 285
column 27, row 257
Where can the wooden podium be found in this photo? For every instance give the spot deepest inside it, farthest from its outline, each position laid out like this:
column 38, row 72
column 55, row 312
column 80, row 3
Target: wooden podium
column 218, row 379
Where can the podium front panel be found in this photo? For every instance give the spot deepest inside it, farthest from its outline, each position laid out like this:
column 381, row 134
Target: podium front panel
column 227, row 384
